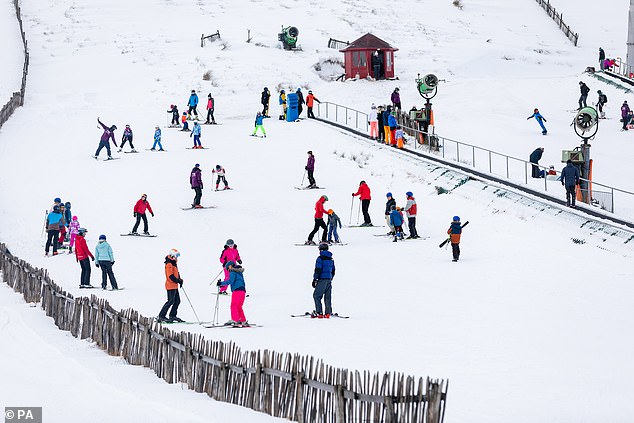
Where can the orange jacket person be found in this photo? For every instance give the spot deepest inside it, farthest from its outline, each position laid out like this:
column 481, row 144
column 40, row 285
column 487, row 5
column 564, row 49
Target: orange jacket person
column 172, row 282
column 310, row 100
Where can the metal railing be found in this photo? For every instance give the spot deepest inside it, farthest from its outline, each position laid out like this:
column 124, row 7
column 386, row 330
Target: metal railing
column 484, row 160
column 621, row 68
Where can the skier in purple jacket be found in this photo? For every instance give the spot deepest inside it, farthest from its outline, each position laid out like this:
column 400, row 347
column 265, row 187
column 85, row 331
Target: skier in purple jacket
column 196, row 181
column 310, row 168
column 108, row 133
column 396, row 99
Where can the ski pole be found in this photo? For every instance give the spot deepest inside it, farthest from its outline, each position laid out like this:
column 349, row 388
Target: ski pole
column 190, row 303
column 214, row 278
column 44, row 225
column 215, row 318
column 359, row 212
column 351, row 207
column 302, row 184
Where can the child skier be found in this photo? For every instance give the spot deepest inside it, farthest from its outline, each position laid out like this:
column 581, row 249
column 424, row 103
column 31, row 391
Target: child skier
column 193, row 103
column 82, row 254
column 74, row 230
column 105, row 259
column 238, row 293
column 108, row 134
column 220, row 171
column 602, row 100
column 396, row 220
column 322, row 282
column 410, row 212
column 184, row 121
column 127, row 137
column 391, row 202
column 141, row 206
column 196, row 133
column 399, row 134
column 333, row 222
column 259, row 124
column 539, row 118
column 174, row 111
column 229, row 253
column 210, row 110
column 157, row 139
column 172, row 282
column 454, row 232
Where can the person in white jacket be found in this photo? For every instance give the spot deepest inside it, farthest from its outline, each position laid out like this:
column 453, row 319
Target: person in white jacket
column 374, row 122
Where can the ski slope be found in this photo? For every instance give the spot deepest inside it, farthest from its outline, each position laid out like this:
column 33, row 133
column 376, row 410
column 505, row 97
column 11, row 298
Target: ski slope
column 12, row 55
column 526, row 326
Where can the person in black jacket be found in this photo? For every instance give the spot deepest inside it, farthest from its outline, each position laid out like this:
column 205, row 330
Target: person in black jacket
column 601, row 57
column 584, row 95
column 570, row 179
column 300, row 101
column 266, row 95
column 175, row 115
column 379, row 117
column 534, row 158
column 388, row 208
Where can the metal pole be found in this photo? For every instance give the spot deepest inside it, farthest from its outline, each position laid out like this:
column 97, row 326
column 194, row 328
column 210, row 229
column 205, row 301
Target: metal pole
column 214, row 278
column 630, row 36
column 507, row 167
column 490, row 166
column 214, row 321
column 457, row 151
column 351, row 207
column 190, row 304
column 302, row 184
column 612, row 200
column 525, row 174
column 473, row 154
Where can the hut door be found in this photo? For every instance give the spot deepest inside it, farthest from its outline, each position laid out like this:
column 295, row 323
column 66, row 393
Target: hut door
column 388, row 63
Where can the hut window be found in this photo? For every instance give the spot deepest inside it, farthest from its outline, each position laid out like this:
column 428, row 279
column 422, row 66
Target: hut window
column 358, row 59
column 388, row 59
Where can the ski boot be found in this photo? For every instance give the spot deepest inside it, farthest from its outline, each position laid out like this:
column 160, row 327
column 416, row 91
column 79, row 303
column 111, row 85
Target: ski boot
column 310, row 242
column 176, row 320
column 163, row 319
column 146, row 233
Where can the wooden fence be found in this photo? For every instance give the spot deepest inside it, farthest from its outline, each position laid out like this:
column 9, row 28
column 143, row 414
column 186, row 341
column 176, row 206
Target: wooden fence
column 17, row 99
column 291, row 386
column 337, row 44
column 559, row 20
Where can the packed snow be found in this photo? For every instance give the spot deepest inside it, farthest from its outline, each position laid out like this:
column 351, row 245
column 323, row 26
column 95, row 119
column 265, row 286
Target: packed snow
column 12, row 52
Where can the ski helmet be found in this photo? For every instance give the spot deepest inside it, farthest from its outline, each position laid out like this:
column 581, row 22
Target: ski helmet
column 218, row 166
column 323, row 246
column 74, row 217
column 229, row 242
column 456, row 218
column 67, row 204
column 409, row 193
column 102, row 236
column 325, row 197
column 310, row 152
column 113, row 128
column 174, row 253
column 57, row 200
column 56, row 209
column 330, row 211
column 388, row 195
column 197, row 165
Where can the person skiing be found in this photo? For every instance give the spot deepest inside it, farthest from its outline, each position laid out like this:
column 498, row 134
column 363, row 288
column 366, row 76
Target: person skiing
column 73, row 228
column 196, row 181
column 172, row 282
column 584, row 95
column 322, row 282
column 127, row 137
column 310, row 101
column 570, row 179
column 210, row 110
column 175, row 114
column 310, row 168
column 157, row 139
column 56, row 202
column 454, row 232
column 625, row 115
column 601, row 102
column 396, row 100
column 266, row 96
column 54, row 221
column 141, row 206
column 220, row 171
column 259, row 124
column 411, row 210
column 388, row 209
column 184, row 121
column 229, row 253
column 62, row 227
column 238, row 293
column 379, row 124
column 534, row 158
column 333, row 222
column 193, row 103
column 108, row 134
column 300, row 102
column 196, row 133
column 282, row 101
column 373, row 122
column 396, row 220
column 540, row 119
column 601, row 57
column 82, row 255
column 386, row 126
column 319, row 221
column 104, row 258
column 68, row 216
column 364, row 195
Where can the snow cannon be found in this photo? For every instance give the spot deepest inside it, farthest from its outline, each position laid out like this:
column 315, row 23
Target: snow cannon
column 586, row 122
column 427, row 85
column 288, row 37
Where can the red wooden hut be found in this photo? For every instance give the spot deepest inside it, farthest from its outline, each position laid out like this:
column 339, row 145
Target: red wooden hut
column 369, row 55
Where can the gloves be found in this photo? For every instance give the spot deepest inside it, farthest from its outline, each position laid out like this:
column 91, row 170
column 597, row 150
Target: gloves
column 219, row 283
column 112, row 263
column 97, row 265
column 545, row 120
column 306, row 167
column 239, row 261
column 314, row 283
column 180, row 282
column 92, row 258
column 134, row 214
column 353, row 194
column 152, row 213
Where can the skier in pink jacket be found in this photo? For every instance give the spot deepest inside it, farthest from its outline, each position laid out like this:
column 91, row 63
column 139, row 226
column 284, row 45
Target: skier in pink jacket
column 74, row 230
column 230, row 253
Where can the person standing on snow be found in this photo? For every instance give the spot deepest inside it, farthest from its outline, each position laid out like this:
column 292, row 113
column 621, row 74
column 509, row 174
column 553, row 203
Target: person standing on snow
column 108, row 134
column 373, row 122
column 539, row 118
column 601, row 57
column 300, row 102
column 196, row 133
column 534, row 158
column 196, row 182
column 175, row 115
column 139, row 213
column 127, row 137
column 396, row 100
column 238, row 293
column 625, row 115
column 266, row 96
column 259, row 124
column 379, row 124
column 310, row 168
column 392, row 124
column 364, row 195
column 322, row 282
column 229, row 253
column 82, row 255
column 172, row 282
column 396, row 220
column 193, row 103
column 73, row 228
column 184, row 122
column 570, row 179
column 388, row 209
column 210, row 110
column 220, row 171
column 310, row 101
column 104, row 258
column 157, row 139
column 54, row 221
column 410, row 212
column 319, row 221
column 584, row 95
column 600, row 103
column 454, row 232
column 386, row 125
column 333, row 222
column 282, row 101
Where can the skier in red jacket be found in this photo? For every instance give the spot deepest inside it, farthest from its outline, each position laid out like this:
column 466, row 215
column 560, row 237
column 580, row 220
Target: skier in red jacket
column 82, row 253
column 139, row 212
column 364, row 194
column 319, row 221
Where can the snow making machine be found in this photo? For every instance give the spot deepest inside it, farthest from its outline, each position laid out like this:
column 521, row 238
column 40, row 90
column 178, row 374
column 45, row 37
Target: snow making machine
column 288, row 37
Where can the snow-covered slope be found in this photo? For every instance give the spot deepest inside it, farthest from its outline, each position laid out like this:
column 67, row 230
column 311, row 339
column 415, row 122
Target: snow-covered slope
column 524, row 326
column 12, row 55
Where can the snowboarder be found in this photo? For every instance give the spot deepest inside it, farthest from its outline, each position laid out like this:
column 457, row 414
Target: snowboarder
column 396, row 100
column 584, row 95
column 388, row 209
column 172, row 282
column 322, row 282
column 54, row 221
column 220, row 171
column 175, row 114
column 379, row 124
column 266, row 96
column 259, row 124
column 601, row 57
column 300, row 102
column 196, row 133
column 193, row 103
column 282, row 101
column 570, row 179
column 82, row 255
column 210, row 110
column 310, row 101
column 310, row 168
column 540, row 119
column 534, row 158
column 373, row 122
column 73, row 228
column 104, row 258
column 127, row 137
column 238, row 293
column 625, row 115
column 601, row 102
column 319, row 221
column 139, row 213
column 333, row 222
column 396, row 220
column 196, row 181
column 184, row 121
column 454, row 232
column 364, row 195
column 157, row 139
column 108, row 134
column 229, row 253
column 411, row 209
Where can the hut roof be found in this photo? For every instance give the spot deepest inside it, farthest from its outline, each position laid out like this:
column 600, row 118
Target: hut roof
column 368, row 41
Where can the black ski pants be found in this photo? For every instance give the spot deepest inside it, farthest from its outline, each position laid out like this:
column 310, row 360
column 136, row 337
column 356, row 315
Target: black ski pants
column 570, row 195
column 192, row 109
column 309, row 113
column 221, row 178
column 299, row 109
column 455, row 249
column 103, row 144
column 106, row 272
column 265, row 109
column 411, row 223
column 85, row 272
column 53, row 238
column 174, row 119
column 323, row 290
column 210, row 116
column 319, row 223
column 583, row 100
column 365, row 205
column 198, row 196
column 140, row 216
column 311, row 178
column 534, row 170
column 173, row 301
column 128, row 139
column 381, row 132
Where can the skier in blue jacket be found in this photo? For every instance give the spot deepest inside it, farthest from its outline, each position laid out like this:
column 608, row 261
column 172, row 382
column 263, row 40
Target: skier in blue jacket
column 259, row 124
column 540, row 119
column 196, row 132
column 157, row 139
column 396, row 220
column 322, row 282
column 193, row 103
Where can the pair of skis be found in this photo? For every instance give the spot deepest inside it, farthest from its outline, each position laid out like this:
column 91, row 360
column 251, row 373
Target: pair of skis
column 308, row 314
column 442, row 244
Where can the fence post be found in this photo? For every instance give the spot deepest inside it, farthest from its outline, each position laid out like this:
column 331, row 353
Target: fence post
column 434, row 397
column 299, row 397
column 339, row 405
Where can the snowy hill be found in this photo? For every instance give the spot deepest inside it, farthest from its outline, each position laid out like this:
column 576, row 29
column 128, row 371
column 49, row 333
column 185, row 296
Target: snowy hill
column 503, row 324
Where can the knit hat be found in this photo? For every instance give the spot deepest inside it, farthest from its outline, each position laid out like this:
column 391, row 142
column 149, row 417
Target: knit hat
column 102, row 236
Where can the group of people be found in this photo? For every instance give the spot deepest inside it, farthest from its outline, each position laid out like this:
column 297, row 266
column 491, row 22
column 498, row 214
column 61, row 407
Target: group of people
column 196, row 182
column 384, row 126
